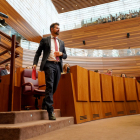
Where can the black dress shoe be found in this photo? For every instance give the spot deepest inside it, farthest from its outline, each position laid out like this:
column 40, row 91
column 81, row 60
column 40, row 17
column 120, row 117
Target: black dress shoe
column 51, row 116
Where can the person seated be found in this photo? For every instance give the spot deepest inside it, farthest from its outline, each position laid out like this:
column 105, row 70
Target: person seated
column 108, row 19
column 128, row 17
column 104, row 21
column 109, row 72
column 6, row 71
column 104, row 55
column 130, row 14
column 123, row 17
column 138, row 52
column 113, row 18
column 133, row 15
column 66, row 68
column 27, row 67
column 123, row 75
column 129, row 52
column 118, row 19
column 101, row 20
column 97, row 71
column 139, row 13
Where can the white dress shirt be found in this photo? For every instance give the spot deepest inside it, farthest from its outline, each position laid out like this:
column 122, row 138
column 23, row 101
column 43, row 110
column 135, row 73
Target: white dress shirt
column 52, row 57
column 8, row 72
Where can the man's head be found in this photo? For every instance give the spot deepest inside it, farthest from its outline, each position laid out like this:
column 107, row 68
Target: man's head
column 27, row 67
column 65, row 67
column 96, row 71
column 109, row 71
column 54, row 28
column 7, row 66
column 123, row 75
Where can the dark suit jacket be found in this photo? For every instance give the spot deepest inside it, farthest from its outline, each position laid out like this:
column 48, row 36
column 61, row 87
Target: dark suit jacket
column 4, row 72
column 45, row 46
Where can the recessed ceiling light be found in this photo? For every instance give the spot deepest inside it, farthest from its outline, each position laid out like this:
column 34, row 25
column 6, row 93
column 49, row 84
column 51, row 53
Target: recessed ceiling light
column 62, row 8
column 76, row 5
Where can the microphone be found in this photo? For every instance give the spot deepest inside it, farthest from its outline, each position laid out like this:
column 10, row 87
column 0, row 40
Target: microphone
column 3, row 15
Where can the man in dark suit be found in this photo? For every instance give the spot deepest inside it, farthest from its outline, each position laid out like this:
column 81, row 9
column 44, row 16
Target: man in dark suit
column 53, row 52
column 6, row 71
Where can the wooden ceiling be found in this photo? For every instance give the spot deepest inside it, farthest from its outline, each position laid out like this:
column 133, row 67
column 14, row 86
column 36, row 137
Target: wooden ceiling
column 18, row 23
column 70, row 5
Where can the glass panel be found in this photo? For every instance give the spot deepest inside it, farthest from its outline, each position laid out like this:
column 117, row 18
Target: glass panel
column 95, row 14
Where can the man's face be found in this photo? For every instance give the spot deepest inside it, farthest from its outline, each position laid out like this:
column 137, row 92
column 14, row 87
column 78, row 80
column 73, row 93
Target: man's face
column 55, row 30
column 8, row 67
column 110, row 71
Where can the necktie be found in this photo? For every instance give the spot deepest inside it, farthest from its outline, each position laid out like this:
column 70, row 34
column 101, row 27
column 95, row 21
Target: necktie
column 56, row 48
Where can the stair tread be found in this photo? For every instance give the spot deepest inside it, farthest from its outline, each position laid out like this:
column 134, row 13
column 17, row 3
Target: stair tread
column 33, row 123
column 26, row 111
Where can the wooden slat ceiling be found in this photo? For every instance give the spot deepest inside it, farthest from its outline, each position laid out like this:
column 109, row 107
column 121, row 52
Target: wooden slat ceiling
column 70, row 5
column 18, row 23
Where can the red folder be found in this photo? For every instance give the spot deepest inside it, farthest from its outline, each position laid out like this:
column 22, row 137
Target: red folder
column 34, row 74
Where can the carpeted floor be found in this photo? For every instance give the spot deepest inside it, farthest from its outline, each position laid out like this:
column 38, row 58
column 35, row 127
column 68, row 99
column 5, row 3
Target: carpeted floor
column 117, row 128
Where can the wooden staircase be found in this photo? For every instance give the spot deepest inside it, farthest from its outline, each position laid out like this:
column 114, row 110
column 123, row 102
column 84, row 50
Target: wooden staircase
column 21, row 125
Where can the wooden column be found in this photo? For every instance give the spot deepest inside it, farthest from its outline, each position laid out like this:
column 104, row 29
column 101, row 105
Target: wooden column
column 12, row 74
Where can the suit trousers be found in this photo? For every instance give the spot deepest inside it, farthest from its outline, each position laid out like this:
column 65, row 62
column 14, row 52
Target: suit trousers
column 52, row 77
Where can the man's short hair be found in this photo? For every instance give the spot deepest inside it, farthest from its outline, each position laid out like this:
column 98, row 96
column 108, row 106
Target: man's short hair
column 6, row 65
column 53, row 25
column 96, row 70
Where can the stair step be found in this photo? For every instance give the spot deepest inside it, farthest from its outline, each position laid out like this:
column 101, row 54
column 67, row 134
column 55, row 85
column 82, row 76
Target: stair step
column 22, row 131
column 25, row 116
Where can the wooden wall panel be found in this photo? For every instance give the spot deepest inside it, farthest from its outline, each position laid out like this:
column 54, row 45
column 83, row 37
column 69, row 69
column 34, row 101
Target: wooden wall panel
column 130, row 88
column 128, row 65
column 108, row 109
column 80, row 76
column 94, row 86
column 96, row 111
column 65, row 99
column 106, row 87
column 64, row 96
column 4, row 94
column 104, row 36
column 118, row 86
column 120, row 108
column 138, row 89
column 132, row 108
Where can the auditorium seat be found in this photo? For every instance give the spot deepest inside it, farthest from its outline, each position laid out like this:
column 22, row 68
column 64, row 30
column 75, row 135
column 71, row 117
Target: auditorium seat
column 31, row 87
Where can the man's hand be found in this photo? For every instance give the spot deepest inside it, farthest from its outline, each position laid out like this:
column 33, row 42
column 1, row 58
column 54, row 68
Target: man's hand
column 34, row 66
column 58, row 53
